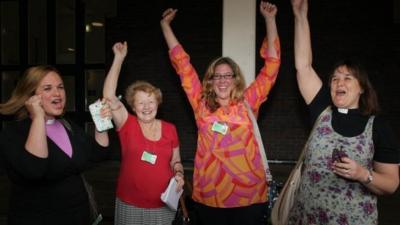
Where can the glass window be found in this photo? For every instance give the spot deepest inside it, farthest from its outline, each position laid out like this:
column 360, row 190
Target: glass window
column 94, row 37
column 9, row 80
column 65, row 31
column 69, row 85
column 95, row 14
column 94, row 80
column 37, row 32
column 9, row 32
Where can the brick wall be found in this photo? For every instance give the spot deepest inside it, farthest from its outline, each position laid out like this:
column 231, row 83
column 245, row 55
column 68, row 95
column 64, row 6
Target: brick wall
column 339, row 29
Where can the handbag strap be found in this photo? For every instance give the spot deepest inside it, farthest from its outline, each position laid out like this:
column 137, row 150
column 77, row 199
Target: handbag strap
column 88, row 187
column 257, row 134
column 185, row 212
column 92, row 202
column 303, row 152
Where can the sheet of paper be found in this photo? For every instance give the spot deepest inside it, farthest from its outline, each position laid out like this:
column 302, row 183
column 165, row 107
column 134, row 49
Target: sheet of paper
column 170, row 197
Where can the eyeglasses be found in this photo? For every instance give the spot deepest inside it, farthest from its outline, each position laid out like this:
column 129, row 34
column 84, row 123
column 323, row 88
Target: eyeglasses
column 227, row 76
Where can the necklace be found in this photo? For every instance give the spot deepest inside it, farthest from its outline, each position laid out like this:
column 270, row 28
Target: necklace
column 151, row 130
column 152, row 133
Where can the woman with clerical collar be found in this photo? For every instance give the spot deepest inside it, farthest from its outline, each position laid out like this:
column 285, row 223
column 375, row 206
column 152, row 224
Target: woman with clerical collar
column 352, row 155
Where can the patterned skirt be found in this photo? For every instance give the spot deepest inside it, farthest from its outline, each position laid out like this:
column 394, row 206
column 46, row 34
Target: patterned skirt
column 128, row 214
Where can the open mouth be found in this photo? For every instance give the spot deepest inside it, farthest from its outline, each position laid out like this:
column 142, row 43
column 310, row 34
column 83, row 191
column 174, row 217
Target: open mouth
column 147, row 112
column 57, row 103
column 223, row 88
column 340, row 93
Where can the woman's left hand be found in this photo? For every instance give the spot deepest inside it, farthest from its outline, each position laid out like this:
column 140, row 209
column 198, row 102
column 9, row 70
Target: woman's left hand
column 168, row 15
column 349, row 169
column 180, row 181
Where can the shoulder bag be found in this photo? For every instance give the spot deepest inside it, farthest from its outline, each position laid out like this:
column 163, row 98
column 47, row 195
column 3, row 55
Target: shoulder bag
column 272, row 186
column 285, row 201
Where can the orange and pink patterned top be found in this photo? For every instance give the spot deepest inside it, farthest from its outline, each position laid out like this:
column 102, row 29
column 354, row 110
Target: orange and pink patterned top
column 228, row 170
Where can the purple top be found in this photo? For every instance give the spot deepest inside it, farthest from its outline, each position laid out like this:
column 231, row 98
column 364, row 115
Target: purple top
column 57, row 133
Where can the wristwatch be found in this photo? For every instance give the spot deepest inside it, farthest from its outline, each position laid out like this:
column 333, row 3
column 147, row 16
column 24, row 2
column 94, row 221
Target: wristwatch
column 369, row 178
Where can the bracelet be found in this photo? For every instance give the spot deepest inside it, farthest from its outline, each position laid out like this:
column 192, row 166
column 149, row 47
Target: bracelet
column 173, row 166
column 176, row 163
column 116, row 108
column 181, row 172
column 369, row 178
column 119, row 105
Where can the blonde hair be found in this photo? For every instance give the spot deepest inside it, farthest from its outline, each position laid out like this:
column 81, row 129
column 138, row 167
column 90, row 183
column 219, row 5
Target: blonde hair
column 25, row 89
column 144, row 86
column 208, row 93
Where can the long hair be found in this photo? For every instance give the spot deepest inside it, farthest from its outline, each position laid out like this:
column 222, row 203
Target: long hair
column 25, row 89
column 208, row 93
column 368, row 103
column 144, row 86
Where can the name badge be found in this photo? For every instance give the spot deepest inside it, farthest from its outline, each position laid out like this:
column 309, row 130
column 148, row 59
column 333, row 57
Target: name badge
column 219, row 127
column 149, row 157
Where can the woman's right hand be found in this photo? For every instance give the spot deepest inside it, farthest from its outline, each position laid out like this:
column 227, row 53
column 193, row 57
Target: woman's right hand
column 120, row 49
column 34, row 107
column 168, row 15
column 105, row 111
column 268, row 10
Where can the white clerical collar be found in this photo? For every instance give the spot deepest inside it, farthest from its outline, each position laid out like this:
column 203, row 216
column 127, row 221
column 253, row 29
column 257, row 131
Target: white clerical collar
column 343, row 110
column 50, row 121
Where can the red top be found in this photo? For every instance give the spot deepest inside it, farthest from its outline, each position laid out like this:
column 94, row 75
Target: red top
column 141, row 183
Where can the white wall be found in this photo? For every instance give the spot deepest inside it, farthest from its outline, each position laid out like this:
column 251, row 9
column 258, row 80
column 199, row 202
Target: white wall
column 239, row 34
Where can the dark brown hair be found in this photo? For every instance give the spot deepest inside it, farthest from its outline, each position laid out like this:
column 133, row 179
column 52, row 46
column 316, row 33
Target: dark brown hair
column 368, row 103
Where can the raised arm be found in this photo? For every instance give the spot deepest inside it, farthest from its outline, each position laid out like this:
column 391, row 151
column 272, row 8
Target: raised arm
column 181, row 61
column 258, row 90
column 307, row 79
column 119, row 112
column 165, row 22
column 269, row 12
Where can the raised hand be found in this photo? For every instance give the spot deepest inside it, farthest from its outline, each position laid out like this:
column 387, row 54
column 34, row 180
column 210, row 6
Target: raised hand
column 34, row 106
column 300, row 7
column 168, row 15
column 120, row 49
column 268, row 10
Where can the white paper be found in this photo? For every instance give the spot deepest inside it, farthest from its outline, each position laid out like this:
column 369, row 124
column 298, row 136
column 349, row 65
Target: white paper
column 170, row 197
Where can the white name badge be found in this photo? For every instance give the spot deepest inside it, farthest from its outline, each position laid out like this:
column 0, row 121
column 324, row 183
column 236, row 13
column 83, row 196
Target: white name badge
column 219, row 127
column 149, row 157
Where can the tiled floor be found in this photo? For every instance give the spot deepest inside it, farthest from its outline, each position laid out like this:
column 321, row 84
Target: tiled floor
column 103, row 180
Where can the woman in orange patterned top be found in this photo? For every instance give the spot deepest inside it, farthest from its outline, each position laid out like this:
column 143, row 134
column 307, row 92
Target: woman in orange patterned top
column 229, row 183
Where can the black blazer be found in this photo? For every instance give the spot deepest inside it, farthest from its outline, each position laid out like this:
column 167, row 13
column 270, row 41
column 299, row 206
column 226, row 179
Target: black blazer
column 51, row 190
